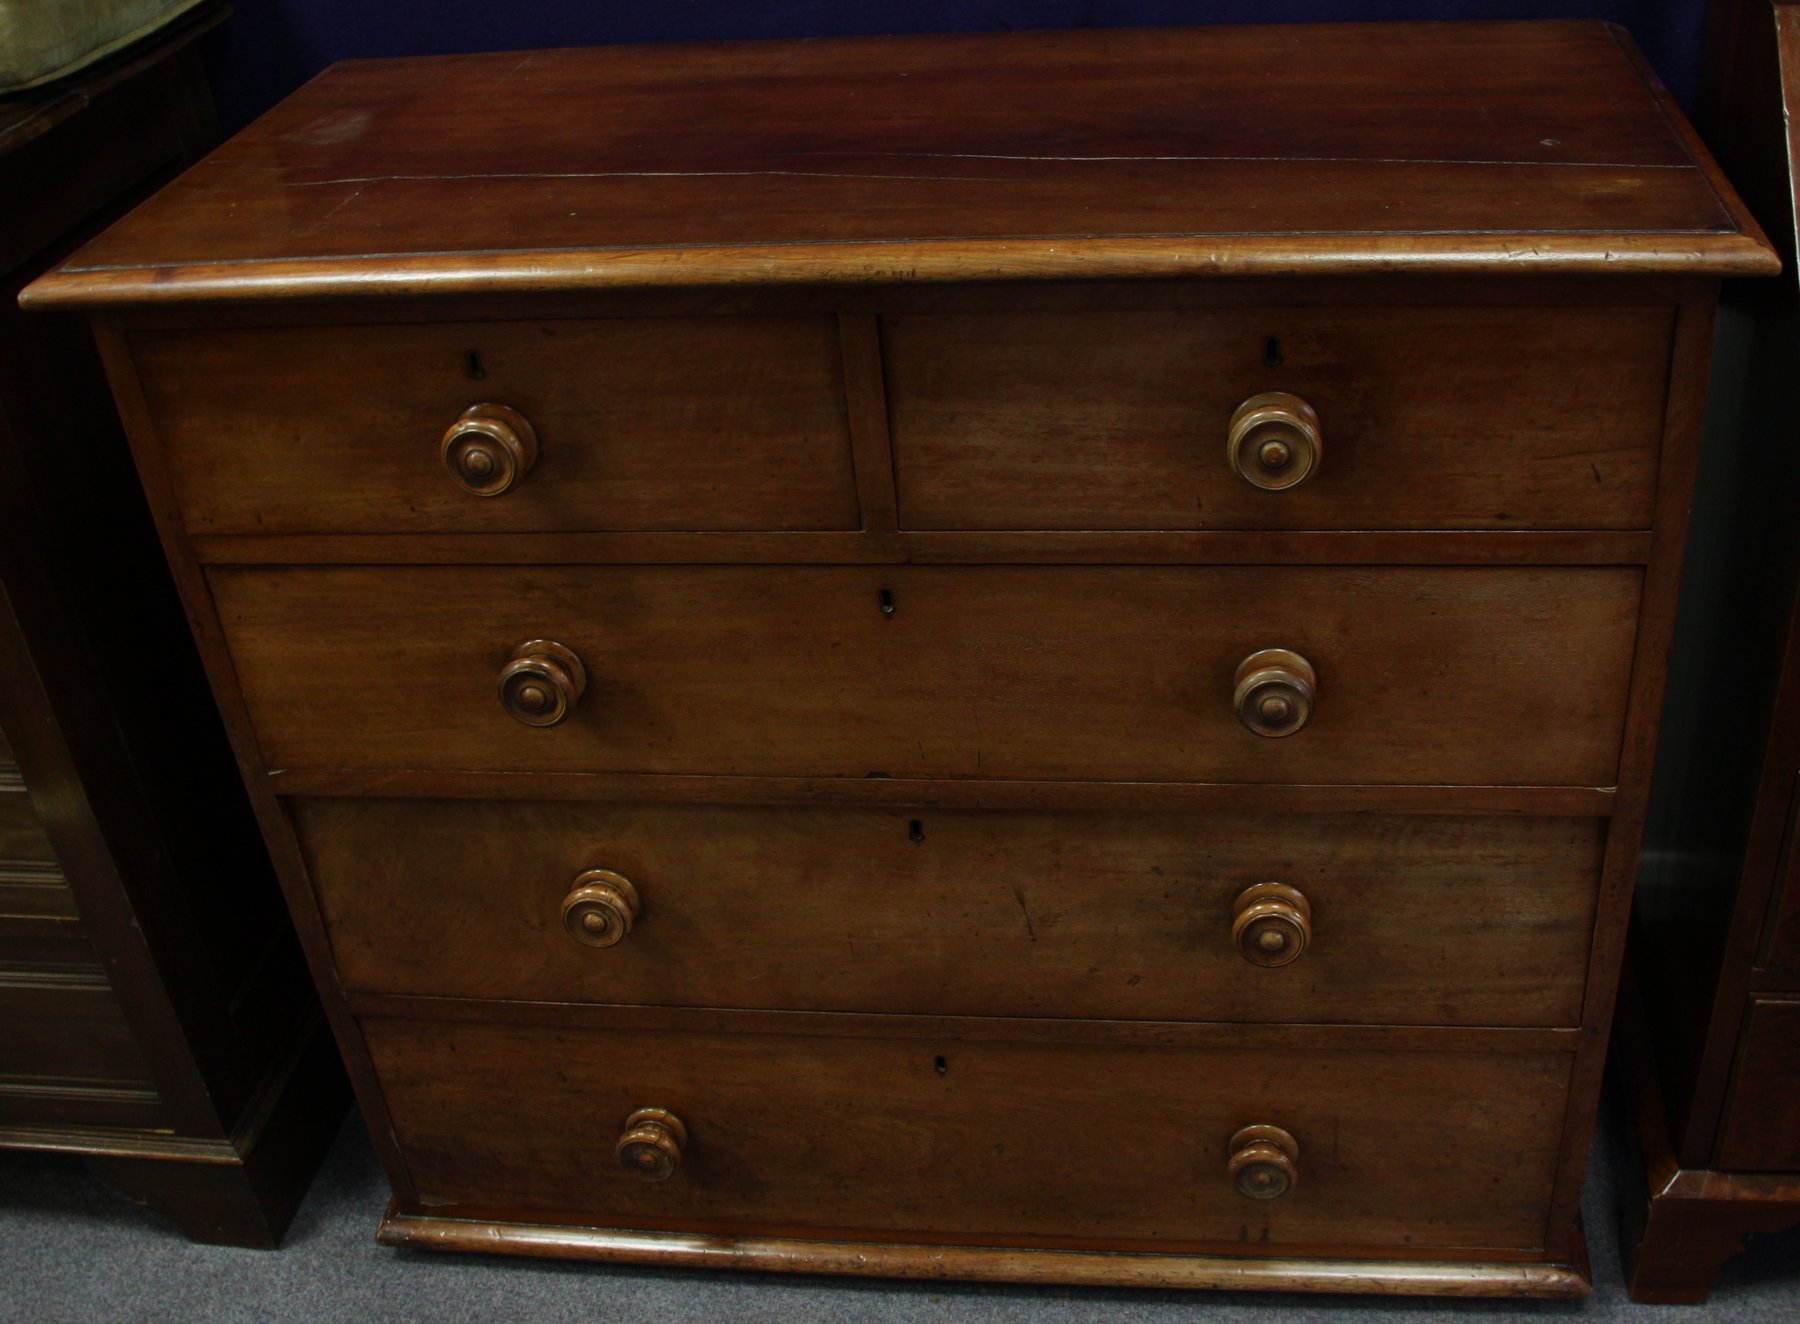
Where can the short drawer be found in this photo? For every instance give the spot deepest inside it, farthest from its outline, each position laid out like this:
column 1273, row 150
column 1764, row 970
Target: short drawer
column 992, row 1140
column 1441, row 675
column 1761, row 1127
column 714, row 423
column 1435, row 920
column 1431, row 417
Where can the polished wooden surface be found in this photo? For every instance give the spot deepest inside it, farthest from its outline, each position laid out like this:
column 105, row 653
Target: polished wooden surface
column 1477, row 921
column 1545, row 145
column 853, row 1136
column 1390, row 1275
column 1120, row 419
column 1525, row 685
column 716, row 423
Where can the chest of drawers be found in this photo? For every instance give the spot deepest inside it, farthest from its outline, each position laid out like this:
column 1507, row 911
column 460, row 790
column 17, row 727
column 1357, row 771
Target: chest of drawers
column 1021, row 657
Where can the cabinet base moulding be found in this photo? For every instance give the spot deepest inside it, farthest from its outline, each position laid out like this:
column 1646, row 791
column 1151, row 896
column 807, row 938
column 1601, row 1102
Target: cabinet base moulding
column 993, row 1264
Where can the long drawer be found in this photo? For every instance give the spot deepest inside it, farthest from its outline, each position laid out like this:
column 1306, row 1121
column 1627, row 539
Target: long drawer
column 63, row 1026
column 1438, row 920
column 1423, row 675
column 1431, row 417
column 986, row 1140
column 709, row 423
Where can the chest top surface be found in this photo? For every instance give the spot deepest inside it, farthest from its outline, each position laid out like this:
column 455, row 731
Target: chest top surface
column 1464, row 148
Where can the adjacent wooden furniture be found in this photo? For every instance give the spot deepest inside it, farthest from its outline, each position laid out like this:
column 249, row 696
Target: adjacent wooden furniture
column 154, row 1012
column 1709, row 1044
column 1021, row 657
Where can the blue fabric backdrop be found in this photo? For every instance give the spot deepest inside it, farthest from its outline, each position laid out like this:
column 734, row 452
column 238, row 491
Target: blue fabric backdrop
column 270, row 47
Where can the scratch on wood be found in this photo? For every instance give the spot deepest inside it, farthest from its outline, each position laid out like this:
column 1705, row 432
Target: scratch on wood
column 1019, row 896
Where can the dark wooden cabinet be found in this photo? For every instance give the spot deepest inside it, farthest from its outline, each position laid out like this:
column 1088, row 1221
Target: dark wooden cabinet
column 155, row 1015
column 1708, row 1039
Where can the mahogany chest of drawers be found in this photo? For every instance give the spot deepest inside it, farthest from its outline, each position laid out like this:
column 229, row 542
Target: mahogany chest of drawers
column 1010, row 657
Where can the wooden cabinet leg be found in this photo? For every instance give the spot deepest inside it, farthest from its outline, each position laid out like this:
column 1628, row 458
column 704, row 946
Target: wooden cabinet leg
column 1686, row 1241
column 215, row 1203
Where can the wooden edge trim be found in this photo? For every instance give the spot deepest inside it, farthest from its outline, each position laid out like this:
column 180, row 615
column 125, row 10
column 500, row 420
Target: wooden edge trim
column 1335, row 1037
column 1163, row 797
column 881, row 545
column 119, row 1144
column 981, row 1263
column 1658, row 290
column 396, row 275
column 1683, row 132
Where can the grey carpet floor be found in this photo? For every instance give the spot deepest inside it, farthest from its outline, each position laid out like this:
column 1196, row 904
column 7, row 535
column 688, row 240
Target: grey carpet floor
column 71, row 1250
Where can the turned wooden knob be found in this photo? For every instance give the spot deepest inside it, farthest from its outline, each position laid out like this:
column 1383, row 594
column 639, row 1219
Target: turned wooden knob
column 1272, row 924
column 1275, row 690
column 1274, row 441
column 600, row 907
column 489, row 449
column 1264, row 1162
column 541, row 683
column 651, row 1146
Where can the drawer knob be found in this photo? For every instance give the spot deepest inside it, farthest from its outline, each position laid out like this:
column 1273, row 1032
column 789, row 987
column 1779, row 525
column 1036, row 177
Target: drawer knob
column 1274, row 441
column 651, row 1146
column 600, row 907
column 1264, row 1162
column 489, row 449
column 541, row 683
column 1273, row 924
column 1275, row 691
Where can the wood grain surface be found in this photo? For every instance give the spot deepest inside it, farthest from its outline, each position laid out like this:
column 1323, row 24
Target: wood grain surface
column 1433, row 418
column 1440, row 920
column 1192, row 151
column 713, row 423
column 1055, row 1144
column 1425, row 675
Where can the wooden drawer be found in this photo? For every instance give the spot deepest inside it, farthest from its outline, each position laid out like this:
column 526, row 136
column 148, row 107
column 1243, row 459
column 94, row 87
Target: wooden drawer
column 21, row 835
column 1760, row 1131
column 64, row 1026
column 994, row 1139
column 1432, row 418
column 1437, row 920
column 671, row 423
column 1458, row 675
